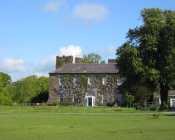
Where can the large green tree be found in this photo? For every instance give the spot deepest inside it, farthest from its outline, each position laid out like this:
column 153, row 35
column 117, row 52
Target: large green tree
column 148, row 56
column 29, row 90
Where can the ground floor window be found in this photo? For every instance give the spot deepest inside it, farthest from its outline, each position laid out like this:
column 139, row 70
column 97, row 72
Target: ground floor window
column 172, row 102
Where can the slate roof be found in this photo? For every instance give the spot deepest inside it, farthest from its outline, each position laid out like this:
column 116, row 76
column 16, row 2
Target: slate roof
column 87, row 68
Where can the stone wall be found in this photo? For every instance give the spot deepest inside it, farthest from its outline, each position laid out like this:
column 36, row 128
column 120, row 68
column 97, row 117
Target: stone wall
column 61, row 60
column 72, row 88
column 53, row 89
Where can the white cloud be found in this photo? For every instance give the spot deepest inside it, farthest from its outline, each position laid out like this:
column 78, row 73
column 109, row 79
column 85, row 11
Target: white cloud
column 12, row 65
column 18, row 68
column 53, row 6
column 90, row 12
column 47, row 64
column 71, row 50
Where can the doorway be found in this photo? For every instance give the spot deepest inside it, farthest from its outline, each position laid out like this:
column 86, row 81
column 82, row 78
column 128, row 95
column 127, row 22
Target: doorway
column 90, row 101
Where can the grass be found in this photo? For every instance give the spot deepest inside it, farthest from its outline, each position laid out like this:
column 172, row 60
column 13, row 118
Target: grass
column 79, row 123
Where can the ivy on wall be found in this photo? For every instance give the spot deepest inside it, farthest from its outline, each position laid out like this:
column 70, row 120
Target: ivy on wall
column 74, row 87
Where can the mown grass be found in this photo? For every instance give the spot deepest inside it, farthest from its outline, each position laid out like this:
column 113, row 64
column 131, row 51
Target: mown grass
column 79, row 123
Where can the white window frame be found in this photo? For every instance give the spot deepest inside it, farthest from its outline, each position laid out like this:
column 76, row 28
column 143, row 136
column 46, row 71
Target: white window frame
column 89, row 81
column 102, row 98
column 74, row 81
column 104, row 81
column 59, row 81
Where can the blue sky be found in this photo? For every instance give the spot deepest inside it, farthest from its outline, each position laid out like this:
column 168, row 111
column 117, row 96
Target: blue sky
column 33, row 32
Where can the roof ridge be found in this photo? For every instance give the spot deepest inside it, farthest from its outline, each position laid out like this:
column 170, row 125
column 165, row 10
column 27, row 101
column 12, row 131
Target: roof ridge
column 90, row 64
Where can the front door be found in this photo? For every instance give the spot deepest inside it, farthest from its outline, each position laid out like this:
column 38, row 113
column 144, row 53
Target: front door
column 89, row 101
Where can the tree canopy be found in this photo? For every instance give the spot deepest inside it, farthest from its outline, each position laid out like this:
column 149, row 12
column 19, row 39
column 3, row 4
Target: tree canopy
column 92, row 58
column 5, row 80
column 148, row 56
column 31, row 89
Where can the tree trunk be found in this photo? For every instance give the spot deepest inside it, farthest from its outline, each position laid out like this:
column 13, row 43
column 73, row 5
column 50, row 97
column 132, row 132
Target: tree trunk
column 164, row 95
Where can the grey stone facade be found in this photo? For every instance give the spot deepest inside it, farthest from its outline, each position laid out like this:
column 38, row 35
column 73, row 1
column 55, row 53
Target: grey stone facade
column 76, row 83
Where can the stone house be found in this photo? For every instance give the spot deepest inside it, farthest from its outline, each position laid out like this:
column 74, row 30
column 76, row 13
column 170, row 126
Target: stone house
column 83, row 84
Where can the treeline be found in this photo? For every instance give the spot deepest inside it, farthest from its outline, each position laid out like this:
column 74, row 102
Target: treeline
column 29, row 90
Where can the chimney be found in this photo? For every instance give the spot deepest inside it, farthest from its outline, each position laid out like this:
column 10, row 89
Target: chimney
column 112, row 61
column 60, row 61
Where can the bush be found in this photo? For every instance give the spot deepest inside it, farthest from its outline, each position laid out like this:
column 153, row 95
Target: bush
column 154, row 108
column 156, row 116
column 110, row 104
column 164, row 107
column 129, row 100
column 139, row 107
column 5, row 100
column 40, row 98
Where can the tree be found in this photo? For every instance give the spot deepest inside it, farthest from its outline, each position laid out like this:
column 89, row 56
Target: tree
column 42, row 95
column 148, row 57
column 5, row 81
column 129, row 100
column 5, row 96
column 30, row 89
column 92, row 58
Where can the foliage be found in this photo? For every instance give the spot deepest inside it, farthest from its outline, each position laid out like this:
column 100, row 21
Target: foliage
column 148, row 57
column 28, row 90
column 83, row 81
column 42, row 94
column 5, row 81
column 5, row 98
column 92, row 58
column 129, row 99
column 153, row 107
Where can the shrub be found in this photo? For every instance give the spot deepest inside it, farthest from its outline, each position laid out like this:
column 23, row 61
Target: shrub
column 110, row 104
column 4, row 99
column 156, row 116
column 164, row 107
column 154, row 108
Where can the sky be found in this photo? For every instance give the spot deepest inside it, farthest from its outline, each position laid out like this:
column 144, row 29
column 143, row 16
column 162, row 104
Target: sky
column 33, row 32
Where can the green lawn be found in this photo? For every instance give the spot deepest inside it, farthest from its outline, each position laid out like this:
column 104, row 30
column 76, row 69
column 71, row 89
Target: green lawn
column 78, row 123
